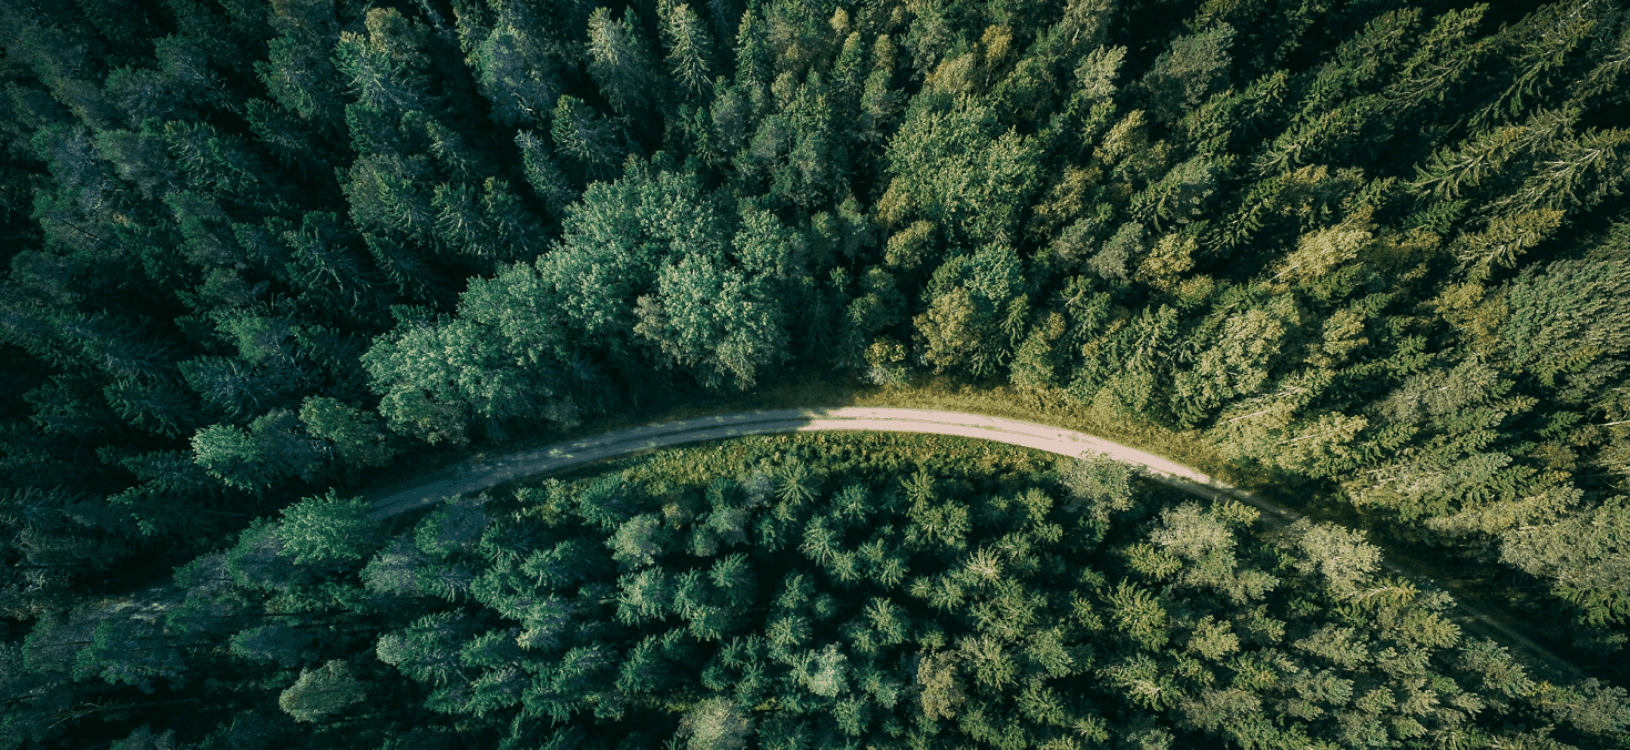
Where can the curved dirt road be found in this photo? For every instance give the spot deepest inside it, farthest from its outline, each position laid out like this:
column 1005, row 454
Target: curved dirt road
column 479, row 474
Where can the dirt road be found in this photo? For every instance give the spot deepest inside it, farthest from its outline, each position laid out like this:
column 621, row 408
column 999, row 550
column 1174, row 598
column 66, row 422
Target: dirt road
column 478, row 474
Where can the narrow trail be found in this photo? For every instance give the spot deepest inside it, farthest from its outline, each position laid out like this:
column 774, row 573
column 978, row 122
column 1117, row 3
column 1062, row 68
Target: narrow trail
column 478, row 474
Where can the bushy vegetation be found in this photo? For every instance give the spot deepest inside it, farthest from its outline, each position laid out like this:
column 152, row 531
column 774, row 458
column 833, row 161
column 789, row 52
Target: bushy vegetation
column 257, row 251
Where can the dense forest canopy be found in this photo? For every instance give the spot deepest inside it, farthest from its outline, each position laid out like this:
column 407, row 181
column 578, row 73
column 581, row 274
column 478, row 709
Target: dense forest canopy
column 255, row 251
column 847, row 592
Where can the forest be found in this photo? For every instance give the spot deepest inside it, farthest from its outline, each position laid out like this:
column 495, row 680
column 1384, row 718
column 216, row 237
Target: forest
column 259, row 255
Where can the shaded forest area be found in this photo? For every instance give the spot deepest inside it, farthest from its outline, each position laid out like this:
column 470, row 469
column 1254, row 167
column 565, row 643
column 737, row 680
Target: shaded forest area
column 255, row 251
column 845, row 592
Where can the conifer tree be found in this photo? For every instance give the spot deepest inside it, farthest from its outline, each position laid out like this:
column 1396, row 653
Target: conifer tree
column 619, row 62
column 321, row 693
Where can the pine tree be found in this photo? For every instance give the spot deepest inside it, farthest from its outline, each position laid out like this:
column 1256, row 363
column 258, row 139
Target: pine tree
column 1577, row 554
column 286, row 646
column 976, row 312
column 952, row 164
column 544, row 176
column 1442, row 57
column 322, row 692
column 689, row 48
column 274, row 448
column 1341, row 557
column 358, row 436
column 1544, row 40
column 517, row 74
column 618, row 61
column 384, row 68
column 299, row 75
column 638, row 541
column 1179, row 196
column 472, row 378
column 1238, row 361
column 1195, row 67
column 713, row 322
column 584, row 136
column 328, row 529
column 716, row 723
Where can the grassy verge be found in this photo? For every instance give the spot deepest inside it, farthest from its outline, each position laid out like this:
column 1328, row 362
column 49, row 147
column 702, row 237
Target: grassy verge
column 823, row 453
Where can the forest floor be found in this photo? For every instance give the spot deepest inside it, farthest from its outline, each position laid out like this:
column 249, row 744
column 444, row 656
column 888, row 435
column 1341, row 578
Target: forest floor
column 483, row 472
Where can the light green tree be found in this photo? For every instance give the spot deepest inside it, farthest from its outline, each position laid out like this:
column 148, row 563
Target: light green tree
column 1586, row 556
column 518, row 76
column 1442, row 58
column 274, row 448
column 386, row 67
column 358, row 436
column 1241, row 349
column 582, row 135
column 1338, row 556
column 977, row 311
column 689, row 47
column 1195, row 67
column 321, row 693
column 714, row 322
column 716, row 724
column 1097, row 483
column 942, row 692
column 434, row 378
column 328, row 529
column 953, row 164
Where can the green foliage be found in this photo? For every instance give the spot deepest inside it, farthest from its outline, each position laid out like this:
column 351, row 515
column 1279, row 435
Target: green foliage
column 253, row 249
column 689, row 48
column 1562, row 313
column 286, row 646
column 517, row 74
column 584, row 136
column 434, row 377
column 713, row 322
column 1583, row 554
column 320, row 693
column 716, row 723
column 952, row 164
column 1184, row 76
column 273, row 448
column 328, row 529
column 638, row 541
column 618, row 60
column 1097, row 484
column 1340, row 556
column 358, row 436
column 975, row 310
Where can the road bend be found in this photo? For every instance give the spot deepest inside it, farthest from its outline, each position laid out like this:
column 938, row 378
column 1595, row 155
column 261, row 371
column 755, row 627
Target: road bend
column 478, row 474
